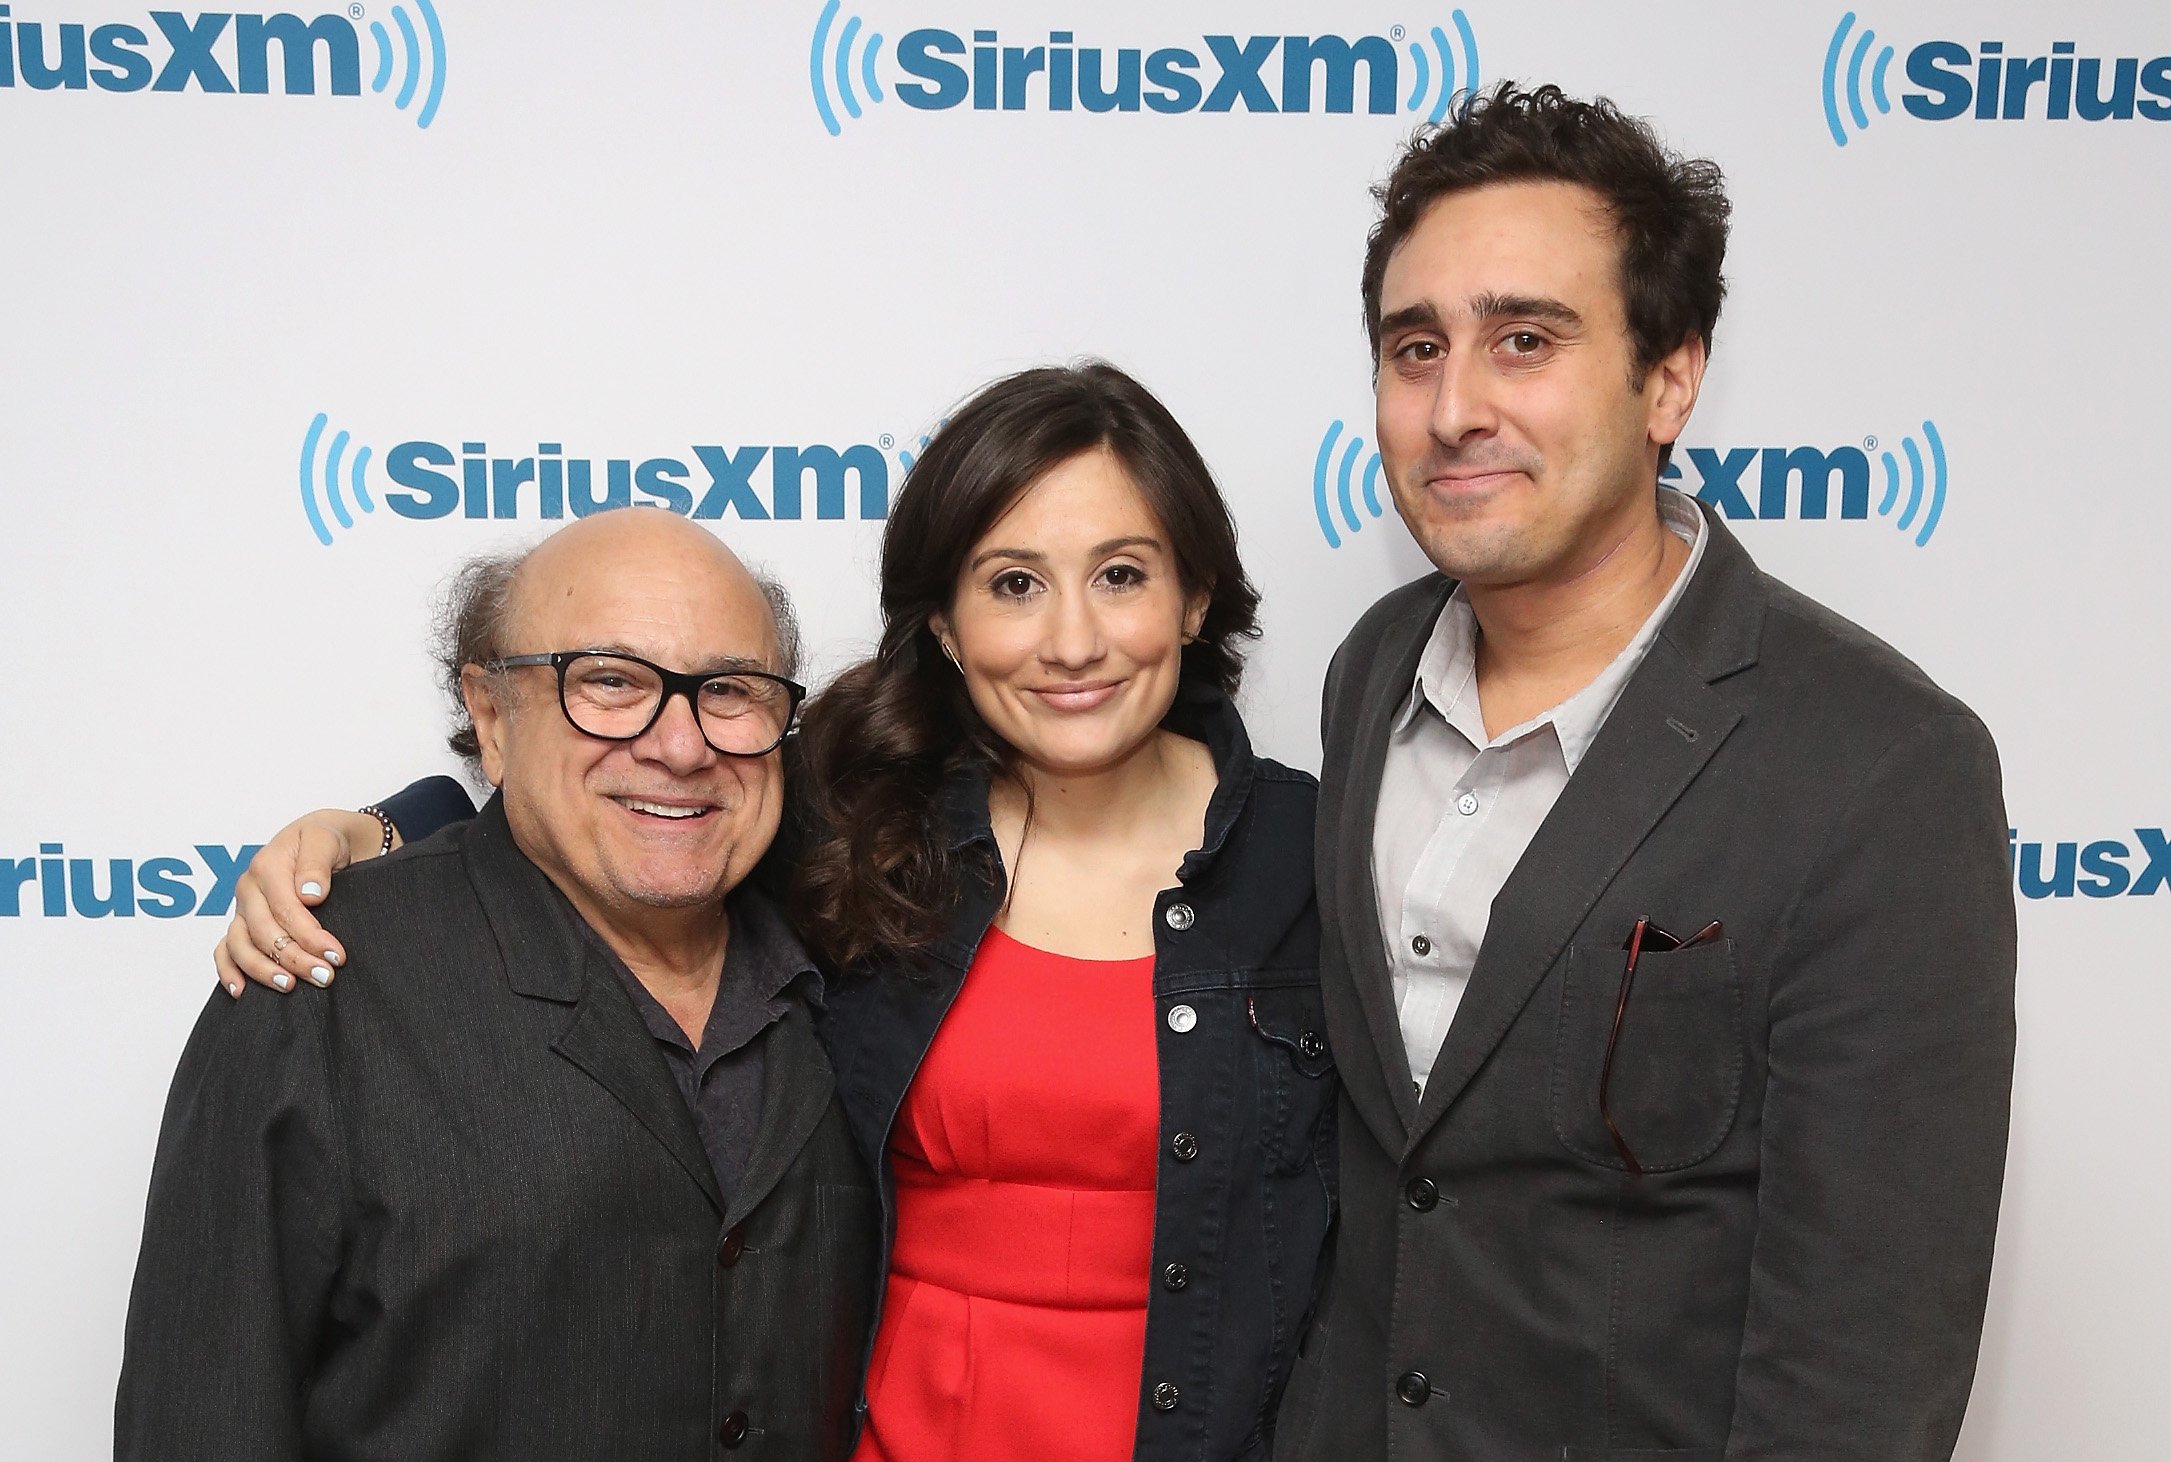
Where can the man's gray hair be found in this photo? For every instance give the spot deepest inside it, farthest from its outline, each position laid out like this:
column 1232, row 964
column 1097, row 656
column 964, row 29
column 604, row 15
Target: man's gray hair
column 474, row 627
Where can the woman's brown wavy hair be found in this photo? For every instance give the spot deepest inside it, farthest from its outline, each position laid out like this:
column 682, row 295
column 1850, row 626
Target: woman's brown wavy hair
column 879, row 877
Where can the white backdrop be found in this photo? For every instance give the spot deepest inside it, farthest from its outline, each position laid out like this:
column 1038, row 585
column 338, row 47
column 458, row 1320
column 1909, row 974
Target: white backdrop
column 583, row 233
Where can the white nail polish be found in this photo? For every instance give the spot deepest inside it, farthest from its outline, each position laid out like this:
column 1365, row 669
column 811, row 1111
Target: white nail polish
column 320, row 974
column 333, row 956
column 234, row 989
column 283, row 980
column 312, row 888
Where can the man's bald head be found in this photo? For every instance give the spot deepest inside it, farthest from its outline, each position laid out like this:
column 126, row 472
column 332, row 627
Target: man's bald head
column 480, row 619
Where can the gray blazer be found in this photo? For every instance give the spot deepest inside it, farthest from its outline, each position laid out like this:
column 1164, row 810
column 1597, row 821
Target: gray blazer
column 1819, row 1098
column 455, row 1208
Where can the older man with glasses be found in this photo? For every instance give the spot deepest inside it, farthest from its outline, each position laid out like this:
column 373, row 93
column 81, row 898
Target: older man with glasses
column 459, row 1208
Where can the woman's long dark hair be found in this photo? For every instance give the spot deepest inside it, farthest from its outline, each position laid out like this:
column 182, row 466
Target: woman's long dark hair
column 879, row 877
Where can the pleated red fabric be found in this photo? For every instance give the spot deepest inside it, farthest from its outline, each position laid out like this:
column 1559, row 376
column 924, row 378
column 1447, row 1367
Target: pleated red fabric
column 1015, row 1321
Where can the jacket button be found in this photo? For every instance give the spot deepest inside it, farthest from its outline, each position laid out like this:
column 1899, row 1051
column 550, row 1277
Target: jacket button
column 1423, row 1196
column 1182, row 1019
column 1175, row 1276
column 1311, row 1046
column 733, row 1431
column 728, row 1252
column 1179, row 917
column 1165, row 1396
column 1184, row 1146
column 1412, row 1389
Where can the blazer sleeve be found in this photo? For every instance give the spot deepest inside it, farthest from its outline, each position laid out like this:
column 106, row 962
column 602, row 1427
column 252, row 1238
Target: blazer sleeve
column 241, row 1242
column 1885, row 1118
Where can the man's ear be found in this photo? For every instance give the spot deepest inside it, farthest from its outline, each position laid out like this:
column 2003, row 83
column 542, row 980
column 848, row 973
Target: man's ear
column 481, row 693
column 1670, row 389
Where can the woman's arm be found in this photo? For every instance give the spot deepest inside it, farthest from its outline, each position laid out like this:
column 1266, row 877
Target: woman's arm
column 274, row 940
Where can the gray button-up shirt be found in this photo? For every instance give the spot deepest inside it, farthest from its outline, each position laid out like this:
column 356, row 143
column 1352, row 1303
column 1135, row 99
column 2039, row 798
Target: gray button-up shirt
column 725, row 1081
column 1456, row 809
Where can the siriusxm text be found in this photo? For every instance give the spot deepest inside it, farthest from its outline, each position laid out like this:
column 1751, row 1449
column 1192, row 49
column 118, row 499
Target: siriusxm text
column 56, row 885
column 2108, row 868
column 211, row 51
column 1223, row 73
column 1776, row 482
column 430, row 480
column 1988, row 84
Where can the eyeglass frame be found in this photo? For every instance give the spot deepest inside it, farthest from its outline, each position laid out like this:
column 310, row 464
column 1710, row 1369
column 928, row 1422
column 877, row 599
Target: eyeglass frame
column 1646, row 934
column 675, row 683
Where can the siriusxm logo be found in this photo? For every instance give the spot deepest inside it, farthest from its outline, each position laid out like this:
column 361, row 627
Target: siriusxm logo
column 427, row 479
column 1798, row 482
column 161, row 888
column 1795, row 482
column 220, row 53
column 934, row 70
column 2108, row 869
column 1951, row 80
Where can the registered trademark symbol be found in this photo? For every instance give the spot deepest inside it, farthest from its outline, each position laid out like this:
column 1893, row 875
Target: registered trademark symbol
column 888, row 441
column 1870, row 443
column 355, row 11
column 1396, row 32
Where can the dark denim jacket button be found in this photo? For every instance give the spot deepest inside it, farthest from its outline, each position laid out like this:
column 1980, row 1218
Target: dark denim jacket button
column 1184, row 1146
column 1176, row 1276
column 1310, row 1046
column 733, row 1431
column 1412, row 1389
column 1179, row 917
column 728, row 1252
column 1165, row 1396
column 1423, row 1196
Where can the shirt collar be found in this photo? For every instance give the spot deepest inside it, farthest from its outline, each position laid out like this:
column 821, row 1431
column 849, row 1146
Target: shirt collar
column 762, row 960
column 1447, row 670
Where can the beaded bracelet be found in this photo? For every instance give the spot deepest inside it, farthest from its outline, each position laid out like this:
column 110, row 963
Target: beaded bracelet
column 384, row 820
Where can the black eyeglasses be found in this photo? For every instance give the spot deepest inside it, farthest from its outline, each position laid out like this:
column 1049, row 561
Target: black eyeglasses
column 1646, row 935
column 616, row 697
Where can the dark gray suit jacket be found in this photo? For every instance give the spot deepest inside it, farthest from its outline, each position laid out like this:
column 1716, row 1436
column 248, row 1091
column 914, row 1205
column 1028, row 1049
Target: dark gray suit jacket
column 1821, row 1098
column 455, row 1208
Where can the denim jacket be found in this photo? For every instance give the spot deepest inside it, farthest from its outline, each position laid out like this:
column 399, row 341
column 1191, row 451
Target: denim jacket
column 1246, row 1185
column 1246, row 1188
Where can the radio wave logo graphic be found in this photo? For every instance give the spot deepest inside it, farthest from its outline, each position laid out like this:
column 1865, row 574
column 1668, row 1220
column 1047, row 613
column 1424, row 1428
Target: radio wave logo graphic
column 1336, row 482
column 1849, row 89
column 320, row 479
column 1925, row 485
column 836, row 61
column 1421, row 68
column 419, row 55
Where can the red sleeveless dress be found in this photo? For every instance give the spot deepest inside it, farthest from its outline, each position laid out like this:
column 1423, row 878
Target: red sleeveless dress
column 1015, row 1320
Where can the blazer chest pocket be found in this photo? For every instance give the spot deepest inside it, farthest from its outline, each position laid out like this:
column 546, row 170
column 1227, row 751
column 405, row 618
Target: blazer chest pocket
column 1296, row 1072
column 1677, row 1058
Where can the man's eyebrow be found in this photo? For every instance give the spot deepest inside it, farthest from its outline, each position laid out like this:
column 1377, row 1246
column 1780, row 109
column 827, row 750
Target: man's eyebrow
column 721, row 665
column 1492, row 305
column 1420, row 316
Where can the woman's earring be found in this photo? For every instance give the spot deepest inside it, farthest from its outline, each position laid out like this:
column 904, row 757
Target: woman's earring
column 951, row 650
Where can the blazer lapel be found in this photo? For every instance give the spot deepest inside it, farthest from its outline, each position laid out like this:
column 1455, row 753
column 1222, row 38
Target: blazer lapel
column 1393, row 672
column 1634, row 771
column 797, row 1089
column 547, row 955
column 608, row 1041
column 1666, row 727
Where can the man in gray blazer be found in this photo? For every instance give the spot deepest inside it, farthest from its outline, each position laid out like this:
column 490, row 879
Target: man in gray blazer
column 563, row 1176
column 1668, row 946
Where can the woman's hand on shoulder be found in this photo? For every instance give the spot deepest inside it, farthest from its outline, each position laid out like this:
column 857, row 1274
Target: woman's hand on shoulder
column 274, row 940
